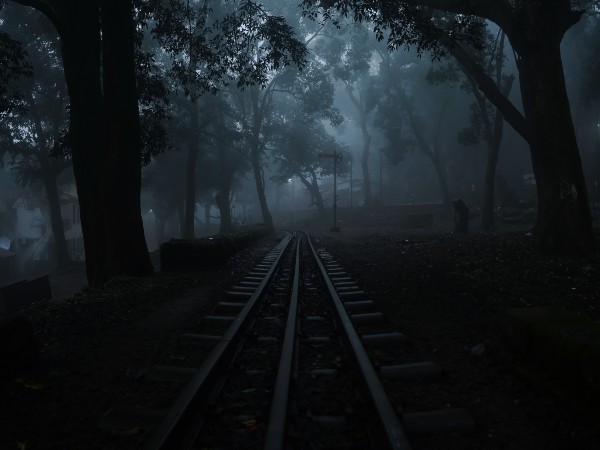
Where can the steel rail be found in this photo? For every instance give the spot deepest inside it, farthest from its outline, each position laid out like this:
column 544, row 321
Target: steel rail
column 171, row 432
column 274, row 439
column 391, row 426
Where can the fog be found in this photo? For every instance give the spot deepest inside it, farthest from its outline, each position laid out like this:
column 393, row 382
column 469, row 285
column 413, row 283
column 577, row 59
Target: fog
column 220, row 154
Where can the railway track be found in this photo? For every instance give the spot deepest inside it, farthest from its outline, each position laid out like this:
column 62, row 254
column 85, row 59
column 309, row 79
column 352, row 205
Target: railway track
column 296, row 356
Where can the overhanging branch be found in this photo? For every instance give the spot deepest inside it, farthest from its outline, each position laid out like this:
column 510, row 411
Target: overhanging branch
column 511, row 114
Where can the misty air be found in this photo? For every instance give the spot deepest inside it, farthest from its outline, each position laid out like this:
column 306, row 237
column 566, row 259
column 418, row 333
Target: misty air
column 299, row 224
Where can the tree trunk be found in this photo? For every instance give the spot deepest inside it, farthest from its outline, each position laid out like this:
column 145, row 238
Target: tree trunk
column 433, row 154
column 564, row 219
column 362, row 117
column 181, row 217
column 367, row 194
column 81, row 59
column 50, row 173
column 126, row 249
column 257, row 120
column 487, row 210
column 207, row 206
column 190, row 190
column 442, row 177
column 494, row 140
column 260, row 187
column 222, row 200
column 316, row 192
column 56, row 221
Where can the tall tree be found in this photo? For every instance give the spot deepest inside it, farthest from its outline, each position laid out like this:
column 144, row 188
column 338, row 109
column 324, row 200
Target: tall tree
column 98, row 46
column 301, row 133
column 298, row 157
column 34, row 134
column 487, row 122
column 350, row 57
column 212, row 43
column 401, row 115
column 535, row 30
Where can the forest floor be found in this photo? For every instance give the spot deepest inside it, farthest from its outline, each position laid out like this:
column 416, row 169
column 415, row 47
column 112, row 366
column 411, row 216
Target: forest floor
column 447, row 293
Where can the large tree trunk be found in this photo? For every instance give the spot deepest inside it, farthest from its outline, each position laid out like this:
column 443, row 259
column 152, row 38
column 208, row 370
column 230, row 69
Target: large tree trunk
column 535, row 31
column 126, row 249
column 80, row 39
column 564, row 219
column 104, row 131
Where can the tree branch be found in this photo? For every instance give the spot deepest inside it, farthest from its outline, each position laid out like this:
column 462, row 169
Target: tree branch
column 498, row 11
column 50, row 9
column 484, row 82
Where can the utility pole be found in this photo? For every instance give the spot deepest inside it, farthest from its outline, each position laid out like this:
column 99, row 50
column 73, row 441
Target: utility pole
column 598, row 162
column 337, row 157
column 380, row 179
column 291, row 180
column 351, row 184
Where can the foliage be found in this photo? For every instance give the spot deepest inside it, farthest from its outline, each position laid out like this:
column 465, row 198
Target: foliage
column 590, row 88
column 36, row 131
column 215, row 42
column 13, row 66
column 298, row 153
column 153, row 100
column 403, row 25
column 313, row 90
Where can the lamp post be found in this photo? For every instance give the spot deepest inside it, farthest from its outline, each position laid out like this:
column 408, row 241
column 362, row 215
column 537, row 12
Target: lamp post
column 337, row 157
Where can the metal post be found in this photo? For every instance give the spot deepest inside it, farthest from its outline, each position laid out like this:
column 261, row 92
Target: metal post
column 380, row 179
column 351, row 184
column 335, row 159
column 291, row 181
column 336, row 156
column 598, row 162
